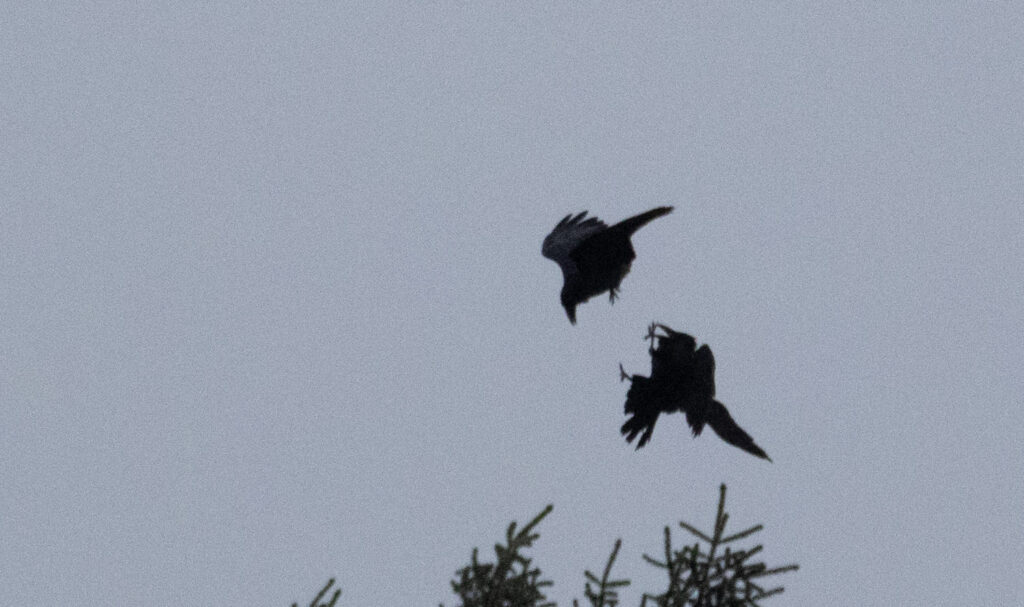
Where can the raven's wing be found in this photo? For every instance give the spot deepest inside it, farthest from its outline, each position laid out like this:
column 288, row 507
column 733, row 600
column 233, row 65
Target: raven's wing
column 632, row 224
column 568, row 235
column 729, row 431
column 704, row 371
column 641, row 404
column 700, row 379
column 673, row 356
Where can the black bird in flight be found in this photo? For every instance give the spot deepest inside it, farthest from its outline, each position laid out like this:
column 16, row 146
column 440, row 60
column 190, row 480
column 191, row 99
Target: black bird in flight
column 594, row 258
column 682, row 379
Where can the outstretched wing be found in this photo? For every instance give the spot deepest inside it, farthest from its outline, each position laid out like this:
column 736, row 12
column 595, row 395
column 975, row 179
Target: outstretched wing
column 568, row 235
column 631, row 225
column 643, row 408
column 729, row 431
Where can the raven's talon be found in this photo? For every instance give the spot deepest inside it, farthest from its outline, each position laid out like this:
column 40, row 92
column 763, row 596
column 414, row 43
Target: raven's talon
column 652, row 332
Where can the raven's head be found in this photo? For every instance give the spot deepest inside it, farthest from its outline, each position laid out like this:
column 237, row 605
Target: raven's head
column 570, row 309
column 570, row 299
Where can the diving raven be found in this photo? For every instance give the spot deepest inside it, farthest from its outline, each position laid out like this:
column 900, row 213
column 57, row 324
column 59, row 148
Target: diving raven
column 594, row 258
column 682, row 379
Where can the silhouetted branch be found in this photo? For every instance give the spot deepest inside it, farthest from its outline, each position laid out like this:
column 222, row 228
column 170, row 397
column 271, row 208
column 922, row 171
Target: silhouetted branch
column 606, row 595
column 316, row 600
column 712, row 572
column 508, row 583
column 711, row 579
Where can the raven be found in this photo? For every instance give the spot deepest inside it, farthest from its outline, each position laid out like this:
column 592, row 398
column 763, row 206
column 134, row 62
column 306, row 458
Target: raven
column 682, row 379
column 594, row 258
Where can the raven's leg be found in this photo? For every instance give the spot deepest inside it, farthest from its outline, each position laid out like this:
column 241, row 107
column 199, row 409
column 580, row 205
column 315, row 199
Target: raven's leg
column 651, row 334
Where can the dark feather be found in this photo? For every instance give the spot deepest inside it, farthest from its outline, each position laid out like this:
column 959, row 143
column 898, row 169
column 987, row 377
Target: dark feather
column 728, row 430
column 593, row 257
column 682, row 379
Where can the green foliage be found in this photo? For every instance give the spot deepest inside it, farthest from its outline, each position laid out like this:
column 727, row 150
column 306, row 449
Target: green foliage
column 606, row 594
column 508, row 583
column 316, row 600
column 715, row 575
column 711, row 572
column 718, row 576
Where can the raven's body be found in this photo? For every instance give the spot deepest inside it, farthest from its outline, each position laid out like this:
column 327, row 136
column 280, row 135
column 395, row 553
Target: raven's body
column 594, row 258
column 682, row 379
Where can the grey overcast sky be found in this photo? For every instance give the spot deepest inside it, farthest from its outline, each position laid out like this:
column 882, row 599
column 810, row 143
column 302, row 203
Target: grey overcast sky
column 274, row 308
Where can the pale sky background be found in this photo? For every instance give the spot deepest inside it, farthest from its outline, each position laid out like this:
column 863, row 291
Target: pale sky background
column 274, row 308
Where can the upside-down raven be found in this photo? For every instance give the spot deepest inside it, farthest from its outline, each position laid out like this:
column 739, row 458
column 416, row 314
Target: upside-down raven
column 682, row 379
column 594, row 258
